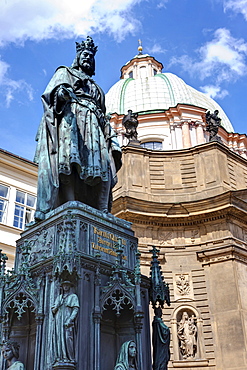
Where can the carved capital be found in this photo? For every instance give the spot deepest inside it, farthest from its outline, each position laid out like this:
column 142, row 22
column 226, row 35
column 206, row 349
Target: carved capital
column 39, row 318
column 96, row 317
column 138, row 321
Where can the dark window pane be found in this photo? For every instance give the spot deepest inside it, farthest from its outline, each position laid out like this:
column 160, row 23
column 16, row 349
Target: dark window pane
column 18, row 217
column 157, row 145
column 2, row 209
column 3, row 191
column 31, row 200
column 20, row 197
column 154, row 145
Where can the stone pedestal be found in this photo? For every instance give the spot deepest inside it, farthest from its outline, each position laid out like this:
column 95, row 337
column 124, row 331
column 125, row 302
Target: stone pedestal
column 134, row 142
column 98, row 253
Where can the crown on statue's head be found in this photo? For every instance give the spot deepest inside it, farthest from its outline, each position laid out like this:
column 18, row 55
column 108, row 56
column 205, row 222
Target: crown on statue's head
column 88, row 44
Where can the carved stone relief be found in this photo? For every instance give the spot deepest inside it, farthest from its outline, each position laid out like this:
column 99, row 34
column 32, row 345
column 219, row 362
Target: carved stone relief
column 41, row 245
column 183, row 288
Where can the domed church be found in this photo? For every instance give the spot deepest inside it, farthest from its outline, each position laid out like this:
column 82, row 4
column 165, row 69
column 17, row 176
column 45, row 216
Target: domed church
column 186, row 195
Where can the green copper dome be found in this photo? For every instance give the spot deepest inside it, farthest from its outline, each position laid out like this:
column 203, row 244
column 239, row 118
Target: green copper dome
column 158, row 92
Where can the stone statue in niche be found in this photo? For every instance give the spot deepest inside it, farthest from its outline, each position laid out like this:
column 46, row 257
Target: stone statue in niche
column 127, row 357
column 130, row 123
column 187, row 335
column 77, row 155
column 64, row 311
column 161, row 341
column 213, row 123
column 10, row 351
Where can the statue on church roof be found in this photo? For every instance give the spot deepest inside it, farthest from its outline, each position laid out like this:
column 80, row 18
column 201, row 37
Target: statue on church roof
column 130, row 122
column 213, row 123
column 77, row 152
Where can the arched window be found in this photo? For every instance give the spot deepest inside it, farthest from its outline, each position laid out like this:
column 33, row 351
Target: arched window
column 143, row 72
column 131, row 74
column 154, row 145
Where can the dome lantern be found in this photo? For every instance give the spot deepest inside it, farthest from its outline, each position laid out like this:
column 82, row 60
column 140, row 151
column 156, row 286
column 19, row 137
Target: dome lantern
column 141, row 66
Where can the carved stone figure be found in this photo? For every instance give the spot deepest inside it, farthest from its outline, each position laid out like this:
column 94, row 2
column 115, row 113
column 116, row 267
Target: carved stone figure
column 212, row 125
column 187, row 333
column 161, row 341
column 65, row 311
column 127, row 357
column 10, row 352
column 77, row 152
column 130, row 123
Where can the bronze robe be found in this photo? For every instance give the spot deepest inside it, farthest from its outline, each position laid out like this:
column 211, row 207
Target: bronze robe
column 74, row 134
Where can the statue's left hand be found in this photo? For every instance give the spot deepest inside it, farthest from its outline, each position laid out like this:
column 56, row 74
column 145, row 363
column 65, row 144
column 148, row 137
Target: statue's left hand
column 68, row 324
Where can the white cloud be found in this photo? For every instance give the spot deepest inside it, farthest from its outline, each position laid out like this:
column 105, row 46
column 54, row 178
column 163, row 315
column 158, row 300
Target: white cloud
column 3, row 70
column 237, row 6
column 214, row 91
column 222, row 59
column 162, row 4
column 58, row 19
column 23, row 20
column 156, row 49
column 10, row 87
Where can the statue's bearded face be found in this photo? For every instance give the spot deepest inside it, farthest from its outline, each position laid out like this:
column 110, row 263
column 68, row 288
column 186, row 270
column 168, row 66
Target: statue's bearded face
column 86, row 61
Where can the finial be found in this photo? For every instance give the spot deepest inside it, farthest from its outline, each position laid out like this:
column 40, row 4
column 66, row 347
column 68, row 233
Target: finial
column 140, row 47
column 159, row 290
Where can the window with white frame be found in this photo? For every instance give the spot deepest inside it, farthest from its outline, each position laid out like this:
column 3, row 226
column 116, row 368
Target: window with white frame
column 4, row 194
column 24, row 209
column 154, row 145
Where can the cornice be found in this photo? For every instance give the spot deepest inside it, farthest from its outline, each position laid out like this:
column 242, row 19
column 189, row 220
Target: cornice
column 198, row 149
column 222, row 254
column 14, row 162
column 139, row 211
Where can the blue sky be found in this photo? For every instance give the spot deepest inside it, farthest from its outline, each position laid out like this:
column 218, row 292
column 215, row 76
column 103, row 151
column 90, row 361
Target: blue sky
column 202, row 41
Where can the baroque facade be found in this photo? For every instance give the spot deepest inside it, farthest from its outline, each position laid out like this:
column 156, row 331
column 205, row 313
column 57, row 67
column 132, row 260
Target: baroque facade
column 186, row 196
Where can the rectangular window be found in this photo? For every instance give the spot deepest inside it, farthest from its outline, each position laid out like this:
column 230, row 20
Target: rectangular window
column 4, row 193
column 24, row 209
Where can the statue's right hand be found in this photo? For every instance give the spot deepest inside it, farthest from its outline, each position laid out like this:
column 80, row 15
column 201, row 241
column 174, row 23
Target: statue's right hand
column 54, row 310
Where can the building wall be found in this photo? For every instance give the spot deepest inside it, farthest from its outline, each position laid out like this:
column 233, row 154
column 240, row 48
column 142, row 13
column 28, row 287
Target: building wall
column 191, row 204
column 16, row 175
